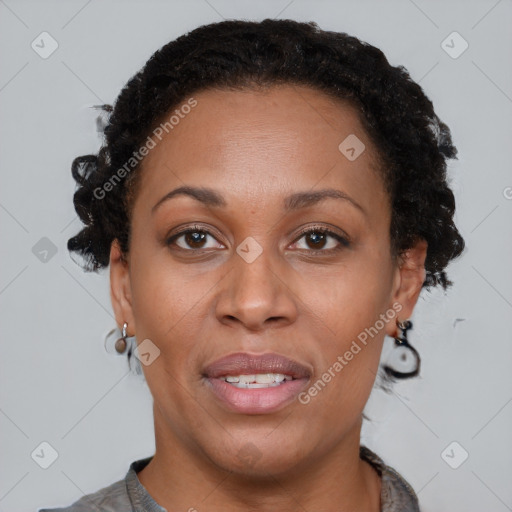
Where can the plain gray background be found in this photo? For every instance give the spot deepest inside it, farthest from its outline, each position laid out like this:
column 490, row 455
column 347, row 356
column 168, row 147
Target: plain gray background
column 58, row 385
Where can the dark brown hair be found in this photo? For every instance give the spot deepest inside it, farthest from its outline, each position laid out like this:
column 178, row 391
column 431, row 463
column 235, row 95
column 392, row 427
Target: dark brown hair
column 412, row 142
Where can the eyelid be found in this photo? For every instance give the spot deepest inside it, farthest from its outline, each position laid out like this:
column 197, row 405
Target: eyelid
column 331, row 231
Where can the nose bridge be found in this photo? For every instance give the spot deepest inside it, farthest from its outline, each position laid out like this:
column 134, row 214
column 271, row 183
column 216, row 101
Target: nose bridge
column 254, row 292
column 253, row 279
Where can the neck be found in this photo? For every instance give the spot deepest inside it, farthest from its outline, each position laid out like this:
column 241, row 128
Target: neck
column 181, row 478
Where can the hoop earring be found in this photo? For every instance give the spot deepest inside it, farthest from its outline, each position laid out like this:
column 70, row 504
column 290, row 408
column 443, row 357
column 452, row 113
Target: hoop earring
column 404, row 357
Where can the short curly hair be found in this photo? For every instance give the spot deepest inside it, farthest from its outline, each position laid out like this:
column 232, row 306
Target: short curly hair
column 413, row 144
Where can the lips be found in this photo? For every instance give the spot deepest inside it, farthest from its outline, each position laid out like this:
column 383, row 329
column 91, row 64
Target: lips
column 255, row 398
column 248, row 364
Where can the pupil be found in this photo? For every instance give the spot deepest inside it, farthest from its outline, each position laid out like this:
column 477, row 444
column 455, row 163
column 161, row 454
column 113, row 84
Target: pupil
column 316, row 237
column 196, row 237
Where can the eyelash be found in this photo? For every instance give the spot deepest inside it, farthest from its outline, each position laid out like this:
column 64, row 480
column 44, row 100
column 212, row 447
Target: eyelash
column 344, row 241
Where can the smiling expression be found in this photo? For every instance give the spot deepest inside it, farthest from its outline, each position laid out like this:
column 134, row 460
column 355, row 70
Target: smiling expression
column 249, row 173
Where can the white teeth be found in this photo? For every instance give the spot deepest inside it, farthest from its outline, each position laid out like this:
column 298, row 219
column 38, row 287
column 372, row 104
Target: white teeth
column 259, row 380
column 246, row 379
column 254, row 385
column 269, row 378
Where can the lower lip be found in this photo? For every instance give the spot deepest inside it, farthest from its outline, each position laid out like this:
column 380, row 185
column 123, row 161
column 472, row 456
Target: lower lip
column 258, row 400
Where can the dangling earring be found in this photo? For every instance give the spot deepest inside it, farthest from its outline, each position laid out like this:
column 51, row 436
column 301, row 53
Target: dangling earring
column 121, row 344
column 124, row 345
column 404, row 359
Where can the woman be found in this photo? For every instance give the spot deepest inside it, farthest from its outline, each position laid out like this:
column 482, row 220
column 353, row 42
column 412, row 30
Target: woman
column 271, row 199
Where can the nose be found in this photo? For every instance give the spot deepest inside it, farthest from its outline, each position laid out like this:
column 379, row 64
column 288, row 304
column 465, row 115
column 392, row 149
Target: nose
column 258, row 294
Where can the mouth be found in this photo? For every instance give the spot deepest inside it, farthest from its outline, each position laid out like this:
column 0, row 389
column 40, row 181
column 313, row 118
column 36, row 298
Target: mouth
column 256, row 384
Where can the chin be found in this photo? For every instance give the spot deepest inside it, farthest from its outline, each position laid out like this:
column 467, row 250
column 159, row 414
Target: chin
column 260, row 458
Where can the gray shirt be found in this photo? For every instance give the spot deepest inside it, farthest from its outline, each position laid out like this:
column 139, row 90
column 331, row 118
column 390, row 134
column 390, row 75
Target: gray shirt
column 129, row 495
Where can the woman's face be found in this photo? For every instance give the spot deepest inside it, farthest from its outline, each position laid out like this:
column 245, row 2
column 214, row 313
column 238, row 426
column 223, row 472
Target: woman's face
column 245, row 282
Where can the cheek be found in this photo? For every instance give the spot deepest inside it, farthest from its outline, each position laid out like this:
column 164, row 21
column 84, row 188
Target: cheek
column 354, row 309
column 348, row 357
column 164, row 304
column 162, row 293
column 166, row 308
column 350, row 297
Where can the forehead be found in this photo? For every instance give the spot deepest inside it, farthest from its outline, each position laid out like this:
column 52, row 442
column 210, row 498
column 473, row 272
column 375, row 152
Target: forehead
column 247, row 141
column 274, row 116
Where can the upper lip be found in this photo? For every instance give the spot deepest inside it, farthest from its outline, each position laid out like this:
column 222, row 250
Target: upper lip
column 243, row 363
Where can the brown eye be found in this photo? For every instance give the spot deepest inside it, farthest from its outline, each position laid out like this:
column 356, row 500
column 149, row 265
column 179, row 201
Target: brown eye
column 195, row 239
column 317, row 239
column 190, row 239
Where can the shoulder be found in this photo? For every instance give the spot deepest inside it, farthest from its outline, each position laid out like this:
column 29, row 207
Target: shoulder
column 113, row 498
column 397, row 495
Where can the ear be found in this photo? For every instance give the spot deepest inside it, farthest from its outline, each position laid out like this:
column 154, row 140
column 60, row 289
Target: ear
column 410, row 275
column 120, row 289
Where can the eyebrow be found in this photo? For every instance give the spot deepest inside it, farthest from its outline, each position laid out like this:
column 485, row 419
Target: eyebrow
column 296, row 201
